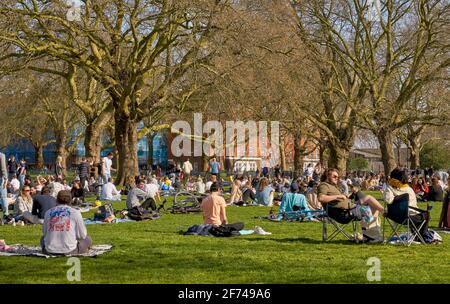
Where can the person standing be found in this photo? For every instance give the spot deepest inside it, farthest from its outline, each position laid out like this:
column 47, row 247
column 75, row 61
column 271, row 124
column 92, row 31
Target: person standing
column 214, row 167
column 107, row 167
column 187, row 169
column 12, row 166
column 309, row 172
column 3, row 182
column 83, row 172
column 277, row 171
column 22, row 171
column 59, row 168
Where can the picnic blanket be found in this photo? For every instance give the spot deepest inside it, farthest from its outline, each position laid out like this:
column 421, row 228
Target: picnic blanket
column 114, row 221
column 23, row 250
column 443, row 230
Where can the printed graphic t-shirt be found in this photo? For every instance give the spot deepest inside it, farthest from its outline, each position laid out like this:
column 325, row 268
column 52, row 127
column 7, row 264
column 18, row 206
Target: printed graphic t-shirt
column 63, row 227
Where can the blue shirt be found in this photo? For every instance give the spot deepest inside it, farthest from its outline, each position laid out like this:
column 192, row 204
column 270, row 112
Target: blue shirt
column 287, row 206
column 215, row 167
column 263, row 197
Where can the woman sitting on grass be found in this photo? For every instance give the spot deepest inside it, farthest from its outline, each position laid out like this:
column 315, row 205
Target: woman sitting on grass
column 190, row 185
column 236, row 193
column 420, row 188
column 24, row 202
column 436, row 192
column 265, row 193
column 200, row 186
column 77, row 193
column 40, row 183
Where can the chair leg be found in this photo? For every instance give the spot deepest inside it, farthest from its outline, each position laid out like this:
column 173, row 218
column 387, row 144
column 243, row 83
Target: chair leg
column 416, row 231
column 395, row 231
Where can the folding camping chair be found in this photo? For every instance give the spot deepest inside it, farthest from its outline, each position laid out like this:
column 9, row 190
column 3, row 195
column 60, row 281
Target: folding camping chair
column 399, row 215
column 339, row 218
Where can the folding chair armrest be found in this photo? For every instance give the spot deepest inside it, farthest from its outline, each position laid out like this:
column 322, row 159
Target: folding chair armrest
column 417, row 209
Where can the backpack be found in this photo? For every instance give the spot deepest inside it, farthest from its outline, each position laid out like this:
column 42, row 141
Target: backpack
column 223, row 231
column 104, row 212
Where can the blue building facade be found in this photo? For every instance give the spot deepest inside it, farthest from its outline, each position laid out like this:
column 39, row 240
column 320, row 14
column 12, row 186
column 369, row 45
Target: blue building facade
column 24, row 149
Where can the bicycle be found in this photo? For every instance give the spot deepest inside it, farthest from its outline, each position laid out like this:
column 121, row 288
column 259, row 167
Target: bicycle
column 186, row 202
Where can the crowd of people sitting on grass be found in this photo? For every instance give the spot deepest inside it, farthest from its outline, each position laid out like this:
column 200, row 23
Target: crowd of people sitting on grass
column 309, row 192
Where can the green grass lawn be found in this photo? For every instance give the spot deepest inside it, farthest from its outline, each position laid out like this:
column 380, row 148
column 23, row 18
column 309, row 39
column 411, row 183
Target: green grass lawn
column 154, row 252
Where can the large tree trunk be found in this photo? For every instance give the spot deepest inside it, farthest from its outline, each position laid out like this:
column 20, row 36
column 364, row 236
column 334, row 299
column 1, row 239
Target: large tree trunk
column 61, row 140
column 322, row 159
column 415, row 155
column 150, row 137
column 205, row 163
column 126, row 145
column 298, row 154
column 39, row 155
column 92, row 137
column 282, row 155
column 386, row 141
column 338, row 158
column 92, row 142
column 414, row 145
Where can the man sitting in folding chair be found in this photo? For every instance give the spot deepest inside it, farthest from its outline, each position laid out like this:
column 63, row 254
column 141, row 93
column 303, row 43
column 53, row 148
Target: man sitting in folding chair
column 402, row 209
column 339, row 209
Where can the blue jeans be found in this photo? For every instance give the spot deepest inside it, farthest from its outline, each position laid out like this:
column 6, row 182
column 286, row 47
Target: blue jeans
column 105, row 178
column 21, row 180
column 3, row 198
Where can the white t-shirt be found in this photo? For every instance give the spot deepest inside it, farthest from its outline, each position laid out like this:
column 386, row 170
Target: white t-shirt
column 55, row 187
column 109, row 191
column 208, row 185
column 187, row 167
column 15, row 184
column 151, row 189
column 107, row 163
column 200, row 187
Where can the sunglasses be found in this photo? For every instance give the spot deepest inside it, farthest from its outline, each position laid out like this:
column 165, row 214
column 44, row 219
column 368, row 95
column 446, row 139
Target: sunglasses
column 27, row 190
column 334, row 176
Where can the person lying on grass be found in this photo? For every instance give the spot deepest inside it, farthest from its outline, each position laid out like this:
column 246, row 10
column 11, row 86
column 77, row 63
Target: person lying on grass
column 64, row 229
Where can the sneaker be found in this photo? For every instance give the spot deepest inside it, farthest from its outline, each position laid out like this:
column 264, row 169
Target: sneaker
column 259, row 230
column 12, row 222
column 21, row 223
